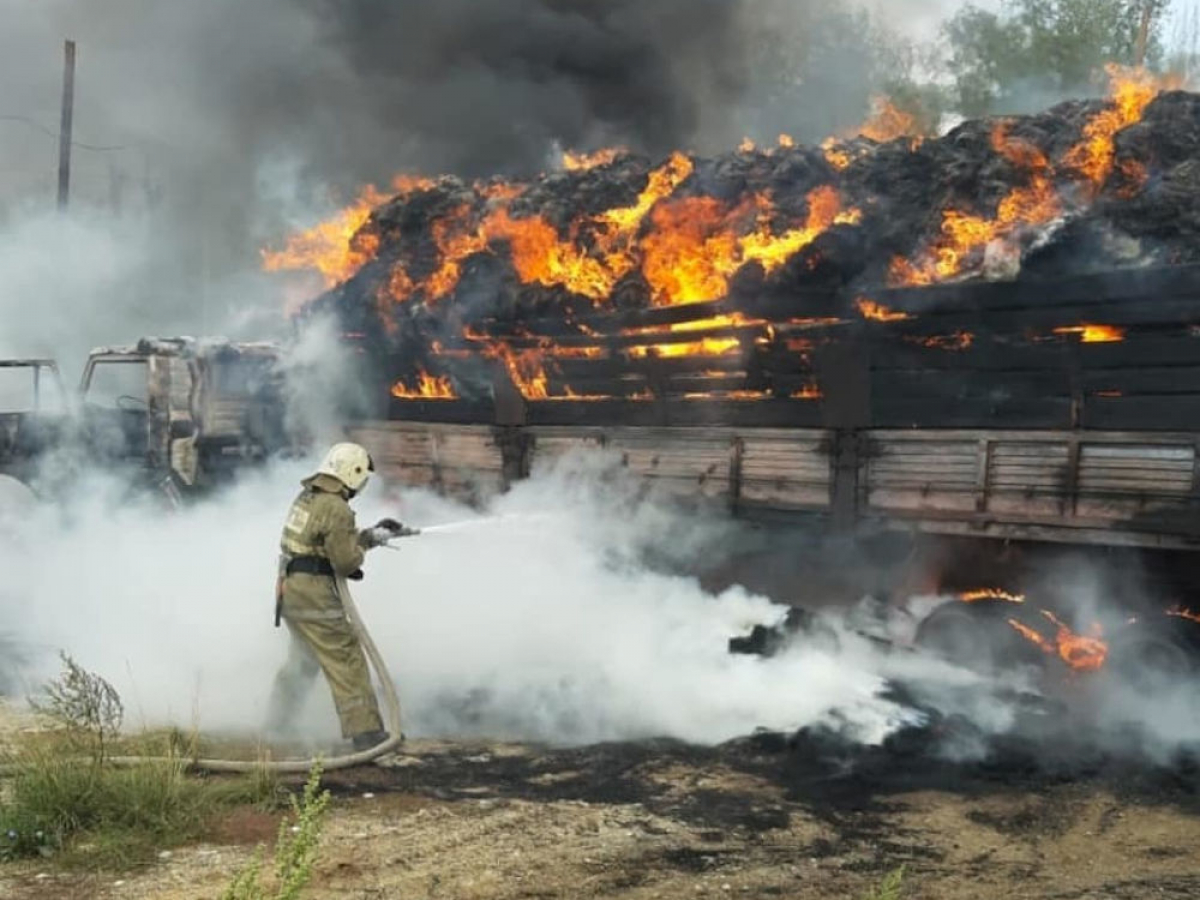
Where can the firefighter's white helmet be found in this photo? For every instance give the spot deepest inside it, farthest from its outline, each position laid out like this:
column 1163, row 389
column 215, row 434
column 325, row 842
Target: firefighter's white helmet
column 348, row 463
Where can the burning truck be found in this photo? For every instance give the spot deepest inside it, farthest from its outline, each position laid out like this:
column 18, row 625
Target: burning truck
column 174, row 417
column 986, row 342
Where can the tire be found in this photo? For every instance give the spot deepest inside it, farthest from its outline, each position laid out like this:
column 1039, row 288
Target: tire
column 17, row 501
column 977, row 636
column 1155, row 655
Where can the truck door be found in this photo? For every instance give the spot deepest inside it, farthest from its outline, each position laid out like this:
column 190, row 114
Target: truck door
column 116, row 406
column 32, row 405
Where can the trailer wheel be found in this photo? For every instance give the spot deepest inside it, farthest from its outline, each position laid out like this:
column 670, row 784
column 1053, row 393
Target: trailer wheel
column 1157, row 654
column 976, row 636
column 17, row 500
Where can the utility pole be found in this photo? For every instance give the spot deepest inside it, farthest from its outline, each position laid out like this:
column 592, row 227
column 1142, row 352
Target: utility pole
column 64, row 131
column 1150, row 11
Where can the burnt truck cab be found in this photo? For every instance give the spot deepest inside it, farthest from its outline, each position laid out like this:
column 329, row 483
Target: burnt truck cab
column 33, row 414
column 183, row 412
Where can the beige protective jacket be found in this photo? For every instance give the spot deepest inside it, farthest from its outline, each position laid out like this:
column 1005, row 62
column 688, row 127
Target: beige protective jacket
column 321, row 523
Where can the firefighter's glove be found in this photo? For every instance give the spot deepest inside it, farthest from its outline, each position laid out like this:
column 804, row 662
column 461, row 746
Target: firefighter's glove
column 371, row 538
column 383, row 531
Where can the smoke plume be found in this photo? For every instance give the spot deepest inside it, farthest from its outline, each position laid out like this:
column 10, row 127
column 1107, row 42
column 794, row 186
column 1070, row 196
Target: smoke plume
column 541, row 624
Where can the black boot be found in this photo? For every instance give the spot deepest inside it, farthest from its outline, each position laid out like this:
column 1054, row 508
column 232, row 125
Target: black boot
column 369, row 739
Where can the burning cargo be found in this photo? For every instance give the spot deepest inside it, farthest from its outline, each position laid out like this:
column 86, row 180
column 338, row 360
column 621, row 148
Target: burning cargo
column 590, row 282
column 991, row 334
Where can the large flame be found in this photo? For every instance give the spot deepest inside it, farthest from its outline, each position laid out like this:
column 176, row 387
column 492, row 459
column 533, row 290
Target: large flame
column 1130, row 91
column 336, row 248
column 686, row 245
column 698, row 243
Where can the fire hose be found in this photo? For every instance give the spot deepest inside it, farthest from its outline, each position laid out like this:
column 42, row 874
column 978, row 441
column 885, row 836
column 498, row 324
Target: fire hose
column 391, row 701
column 391, row 704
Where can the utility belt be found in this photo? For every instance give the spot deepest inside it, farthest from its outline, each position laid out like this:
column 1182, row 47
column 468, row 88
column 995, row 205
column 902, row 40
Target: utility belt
column 309, row 565
column 298, row 565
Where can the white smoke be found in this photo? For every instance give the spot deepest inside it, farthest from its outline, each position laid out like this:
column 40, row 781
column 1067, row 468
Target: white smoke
column 541, row 626
column 70, row 283
column 538, row 619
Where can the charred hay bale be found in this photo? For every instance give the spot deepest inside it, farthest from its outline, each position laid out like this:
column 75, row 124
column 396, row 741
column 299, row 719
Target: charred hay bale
column 838, row 257
column 405, row 219
column 1167, row 136
column 1085, row 245
column 564, row 197
column 1166, row 211
column 631, row 293
column 1059, row 129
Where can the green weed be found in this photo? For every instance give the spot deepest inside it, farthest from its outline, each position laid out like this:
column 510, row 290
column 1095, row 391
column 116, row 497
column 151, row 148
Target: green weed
column 890, row 888
column 295, row 851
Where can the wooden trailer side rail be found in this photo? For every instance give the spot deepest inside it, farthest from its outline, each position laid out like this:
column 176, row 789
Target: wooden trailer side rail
column 1101, row 488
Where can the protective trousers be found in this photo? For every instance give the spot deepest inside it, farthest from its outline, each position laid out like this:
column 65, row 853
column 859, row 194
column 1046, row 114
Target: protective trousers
column 322, row 640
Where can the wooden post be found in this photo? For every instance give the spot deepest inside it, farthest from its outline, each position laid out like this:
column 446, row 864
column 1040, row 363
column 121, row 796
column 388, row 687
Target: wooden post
column 1143, row 35
column 844, row 374
column 64, row 131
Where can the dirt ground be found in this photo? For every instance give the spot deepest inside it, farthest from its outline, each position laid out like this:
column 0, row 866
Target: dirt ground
column 756, row 818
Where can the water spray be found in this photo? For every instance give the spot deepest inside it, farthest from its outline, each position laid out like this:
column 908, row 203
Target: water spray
column 469, row 524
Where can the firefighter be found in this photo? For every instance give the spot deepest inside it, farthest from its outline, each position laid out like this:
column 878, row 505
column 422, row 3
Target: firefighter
column 320, row 542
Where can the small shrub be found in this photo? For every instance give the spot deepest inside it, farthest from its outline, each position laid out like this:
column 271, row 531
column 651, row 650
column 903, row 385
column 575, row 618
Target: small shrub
column 890, row 888
column 64, row 794
column 84, row 704
column 295, row 851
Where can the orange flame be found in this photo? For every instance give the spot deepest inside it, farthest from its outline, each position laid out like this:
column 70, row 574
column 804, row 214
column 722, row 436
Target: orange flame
column 1130, row 91
column 990, row 594
column 1094, row 334
column 337, row 248
column 1179, row 612
column 1033, row 636
column 771, row 250
column 960, row 340
column 1080, row 652
column 1083, row 653
column 709, row 346
column 428, row 387
column 878, row 312
column 966, row 234
column 729, row 395
column 694, row 247
column 526, row 370
column 887, row 122
column 687, row 248
column 581, row 162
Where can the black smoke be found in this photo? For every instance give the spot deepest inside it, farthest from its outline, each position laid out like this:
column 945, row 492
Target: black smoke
column 485, row 87
column 209, row 130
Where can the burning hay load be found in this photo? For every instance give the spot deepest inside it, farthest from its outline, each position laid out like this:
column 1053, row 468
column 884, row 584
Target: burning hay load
column 1038, row 257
